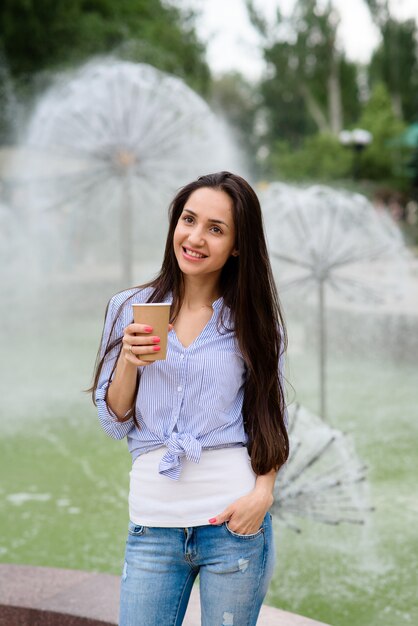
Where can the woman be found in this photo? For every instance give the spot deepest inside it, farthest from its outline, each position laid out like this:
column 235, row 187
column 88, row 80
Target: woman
column 205, row 427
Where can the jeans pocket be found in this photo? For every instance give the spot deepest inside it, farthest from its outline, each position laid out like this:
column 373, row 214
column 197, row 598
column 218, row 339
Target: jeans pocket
column 135, row 530
column 259, row 532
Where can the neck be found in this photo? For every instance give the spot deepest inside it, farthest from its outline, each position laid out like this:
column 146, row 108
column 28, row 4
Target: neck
column 200, row 292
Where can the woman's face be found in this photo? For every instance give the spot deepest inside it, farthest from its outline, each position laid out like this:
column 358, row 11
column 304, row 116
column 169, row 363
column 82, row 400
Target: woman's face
column 204, row 237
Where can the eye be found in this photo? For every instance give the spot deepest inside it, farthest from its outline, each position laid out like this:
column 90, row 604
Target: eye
column 216, row 230
column 187, row 219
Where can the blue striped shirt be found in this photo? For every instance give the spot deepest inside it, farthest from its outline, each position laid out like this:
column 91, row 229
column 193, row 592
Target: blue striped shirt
column 191, row 400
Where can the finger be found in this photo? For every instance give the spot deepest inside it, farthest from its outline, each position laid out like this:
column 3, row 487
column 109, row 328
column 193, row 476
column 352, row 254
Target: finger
column 131, row 358
column 141, row 340
column 221, row 518
column 135, row 354
column 139, row 351
column 138, row 328
column 244, row 529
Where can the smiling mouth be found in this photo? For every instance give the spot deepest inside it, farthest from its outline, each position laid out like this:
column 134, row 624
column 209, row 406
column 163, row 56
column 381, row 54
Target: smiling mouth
column 192, row 253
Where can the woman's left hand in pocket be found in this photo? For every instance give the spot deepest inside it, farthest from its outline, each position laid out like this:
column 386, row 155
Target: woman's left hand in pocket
column 245, row 515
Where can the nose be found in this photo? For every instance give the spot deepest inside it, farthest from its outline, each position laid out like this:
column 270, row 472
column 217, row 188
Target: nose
column 195, row 237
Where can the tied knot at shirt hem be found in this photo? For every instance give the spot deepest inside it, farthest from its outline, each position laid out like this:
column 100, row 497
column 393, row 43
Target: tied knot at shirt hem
column 179, row 445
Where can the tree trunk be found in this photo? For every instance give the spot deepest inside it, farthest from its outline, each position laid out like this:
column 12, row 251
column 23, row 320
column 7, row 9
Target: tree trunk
column 314, row 109
column 397, row 105
column 335, row 111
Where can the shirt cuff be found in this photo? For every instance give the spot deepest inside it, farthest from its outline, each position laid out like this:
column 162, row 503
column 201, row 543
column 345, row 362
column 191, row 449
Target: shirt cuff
column 109, row 421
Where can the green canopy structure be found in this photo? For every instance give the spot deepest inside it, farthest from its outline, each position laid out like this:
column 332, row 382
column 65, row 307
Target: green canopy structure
column 405, row 147
column 408, row 138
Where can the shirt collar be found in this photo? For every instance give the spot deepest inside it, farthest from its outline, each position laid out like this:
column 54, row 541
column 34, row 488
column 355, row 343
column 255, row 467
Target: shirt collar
column 216, row 305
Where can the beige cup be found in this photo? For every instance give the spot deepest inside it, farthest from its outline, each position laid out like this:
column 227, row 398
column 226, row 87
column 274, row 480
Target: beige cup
column 157, row 315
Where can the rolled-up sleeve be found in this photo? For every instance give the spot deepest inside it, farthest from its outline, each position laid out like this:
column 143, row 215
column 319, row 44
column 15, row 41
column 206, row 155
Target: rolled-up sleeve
column 108, row 420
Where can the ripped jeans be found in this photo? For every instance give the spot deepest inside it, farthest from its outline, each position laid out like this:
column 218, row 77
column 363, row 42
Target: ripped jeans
column 161, row 565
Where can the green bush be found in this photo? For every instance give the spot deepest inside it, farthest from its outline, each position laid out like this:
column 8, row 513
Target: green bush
column 321, row 157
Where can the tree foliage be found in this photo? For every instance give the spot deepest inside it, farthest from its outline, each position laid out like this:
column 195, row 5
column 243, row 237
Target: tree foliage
column 310, row 82
column 378, row 160
column 320, row 157
column 238, row 101
column 42, row 34
column 395, row 62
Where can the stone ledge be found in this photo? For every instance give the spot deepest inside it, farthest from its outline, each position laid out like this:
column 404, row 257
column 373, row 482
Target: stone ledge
column 44, row 596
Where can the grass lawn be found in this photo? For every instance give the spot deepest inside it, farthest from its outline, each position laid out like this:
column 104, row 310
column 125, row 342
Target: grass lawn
column 65, row 484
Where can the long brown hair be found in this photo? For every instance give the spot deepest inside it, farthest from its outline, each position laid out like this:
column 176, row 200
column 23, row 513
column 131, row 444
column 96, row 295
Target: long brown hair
column 249, row 292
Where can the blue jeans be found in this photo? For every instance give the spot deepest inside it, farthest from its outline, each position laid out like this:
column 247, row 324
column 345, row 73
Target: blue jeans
column 161, row 565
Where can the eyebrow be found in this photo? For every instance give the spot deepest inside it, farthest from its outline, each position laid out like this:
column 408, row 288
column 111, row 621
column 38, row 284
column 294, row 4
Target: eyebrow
column 213, row 221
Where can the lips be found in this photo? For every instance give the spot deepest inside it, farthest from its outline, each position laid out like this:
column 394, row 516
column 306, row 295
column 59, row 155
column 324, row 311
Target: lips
column 193, row 254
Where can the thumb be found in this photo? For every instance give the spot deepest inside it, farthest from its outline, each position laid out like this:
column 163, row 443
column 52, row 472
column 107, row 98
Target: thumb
column 221, row 518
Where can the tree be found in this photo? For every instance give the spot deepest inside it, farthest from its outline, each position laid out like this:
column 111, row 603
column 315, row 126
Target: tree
column 9, row 107
column 395, row 62
column 238, row 101
column 379, row 119
column 43, row 34
column 304, row 91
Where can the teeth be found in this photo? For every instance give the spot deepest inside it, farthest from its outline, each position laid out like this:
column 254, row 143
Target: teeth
column 195, row 254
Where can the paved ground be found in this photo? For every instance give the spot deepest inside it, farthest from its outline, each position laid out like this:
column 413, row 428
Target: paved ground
column 35, row 596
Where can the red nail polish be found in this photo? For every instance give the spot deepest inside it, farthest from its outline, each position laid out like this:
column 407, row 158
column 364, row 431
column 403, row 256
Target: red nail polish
column 148, row 329
column 156, row 339
column 212, row 520
column 156, row 348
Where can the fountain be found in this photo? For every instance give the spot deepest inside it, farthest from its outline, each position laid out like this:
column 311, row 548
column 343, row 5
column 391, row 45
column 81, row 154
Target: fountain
column 345, row 275
column 113, row 139
column 333, row 241
column 116, row 140
column 323, row 480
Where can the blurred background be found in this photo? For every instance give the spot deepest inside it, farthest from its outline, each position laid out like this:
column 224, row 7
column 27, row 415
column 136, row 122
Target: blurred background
column 106, row 109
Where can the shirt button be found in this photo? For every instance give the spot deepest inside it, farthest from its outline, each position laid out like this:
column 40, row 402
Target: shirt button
column 179, row 388
column 182, row 356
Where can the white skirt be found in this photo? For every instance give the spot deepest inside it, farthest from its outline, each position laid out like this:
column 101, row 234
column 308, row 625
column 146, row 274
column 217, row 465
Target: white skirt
column 203, row 491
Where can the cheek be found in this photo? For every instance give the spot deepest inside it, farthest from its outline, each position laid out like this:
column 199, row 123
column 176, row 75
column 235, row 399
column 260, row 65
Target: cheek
column 224, row 255
column 177, row 235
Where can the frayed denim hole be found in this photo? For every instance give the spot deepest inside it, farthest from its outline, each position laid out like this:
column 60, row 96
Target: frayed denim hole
column 243, row 564
column 228, row 619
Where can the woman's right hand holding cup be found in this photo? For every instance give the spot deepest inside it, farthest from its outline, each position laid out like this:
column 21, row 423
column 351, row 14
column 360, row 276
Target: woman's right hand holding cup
column 138, row 340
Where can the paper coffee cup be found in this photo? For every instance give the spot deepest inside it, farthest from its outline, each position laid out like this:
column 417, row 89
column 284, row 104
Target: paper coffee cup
column 157, row 315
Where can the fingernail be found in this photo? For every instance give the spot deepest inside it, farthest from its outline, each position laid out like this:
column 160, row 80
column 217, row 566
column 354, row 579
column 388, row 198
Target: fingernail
column 156, row 339
column 148, row 329
column 156, row 348
column 212, row 520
